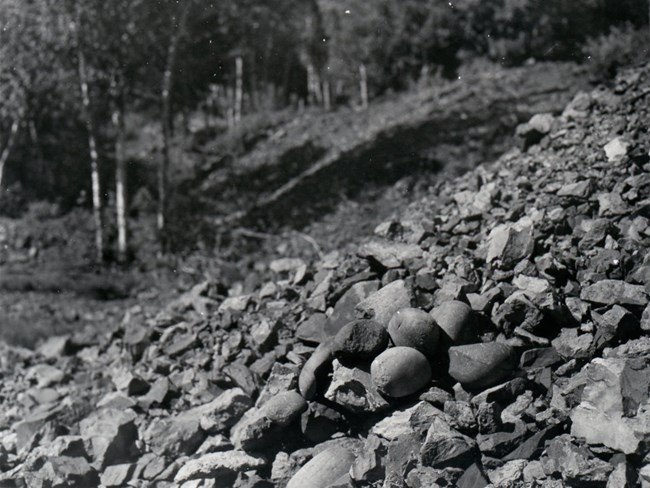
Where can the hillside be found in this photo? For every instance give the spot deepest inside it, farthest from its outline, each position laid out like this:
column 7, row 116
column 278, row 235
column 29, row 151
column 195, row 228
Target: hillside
column 305, row 183
column 535, row 271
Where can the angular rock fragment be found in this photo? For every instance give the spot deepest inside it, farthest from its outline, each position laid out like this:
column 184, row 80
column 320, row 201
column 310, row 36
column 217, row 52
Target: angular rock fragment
column 368, row 467
column 608, row 412
column 444, row 447
column 574, row 463
column 345, row 308
column 58, row 471
column 354, row 390
column 413, row 421
column 615, row 292
column 177, row 435
column 510, row 243
column 117, row 475
column 382, row 304
column 110, row 436
column 390, row 254
column 222, row 467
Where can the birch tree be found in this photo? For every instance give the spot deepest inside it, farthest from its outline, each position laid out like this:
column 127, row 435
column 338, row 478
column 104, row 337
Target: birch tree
column 178, row 31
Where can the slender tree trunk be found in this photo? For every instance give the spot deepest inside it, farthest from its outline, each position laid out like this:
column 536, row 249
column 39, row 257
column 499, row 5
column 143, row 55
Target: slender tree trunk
column 311, row 95
column 92, row 144
column 4, row 156
column 167, row 128
column 327, row 101
column 239, row 88
column 363, row 85
column 120, row 177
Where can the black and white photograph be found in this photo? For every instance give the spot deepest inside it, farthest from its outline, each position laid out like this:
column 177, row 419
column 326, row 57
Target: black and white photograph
column 325, row 243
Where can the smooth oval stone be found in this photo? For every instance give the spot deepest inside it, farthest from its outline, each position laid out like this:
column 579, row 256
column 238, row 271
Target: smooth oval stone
column 284, row 407
column 323, row 469
column 360, row 339
column 400, row 371
column 457, row 323
column 412, row 327
column 480, row 366
column 317, row 363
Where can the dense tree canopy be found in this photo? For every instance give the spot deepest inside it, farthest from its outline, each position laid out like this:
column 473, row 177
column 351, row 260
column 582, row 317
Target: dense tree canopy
column 293, row 52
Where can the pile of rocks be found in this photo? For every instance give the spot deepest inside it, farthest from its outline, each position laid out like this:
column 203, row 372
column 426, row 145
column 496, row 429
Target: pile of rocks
column 495, row 335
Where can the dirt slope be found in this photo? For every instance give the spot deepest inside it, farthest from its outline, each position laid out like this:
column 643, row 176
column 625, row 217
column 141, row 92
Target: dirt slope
column 547, row 249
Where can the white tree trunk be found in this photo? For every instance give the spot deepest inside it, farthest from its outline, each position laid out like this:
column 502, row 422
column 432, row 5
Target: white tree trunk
column 327, row 100
column 363, row 85
column 120, row 185
column 92, row 144
column 11, row 140
column 239, row 88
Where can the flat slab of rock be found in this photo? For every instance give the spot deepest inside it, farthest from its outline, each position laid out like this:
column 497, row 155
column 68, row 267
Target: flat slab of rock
column 607, row 414
column 390, row 254
column 612, row 292
column 222, row 467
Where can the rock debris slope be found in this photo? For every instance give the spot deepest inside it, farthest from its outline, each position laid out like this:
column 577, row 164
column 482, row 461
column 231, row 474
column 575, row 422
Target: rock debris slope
column 496, row 334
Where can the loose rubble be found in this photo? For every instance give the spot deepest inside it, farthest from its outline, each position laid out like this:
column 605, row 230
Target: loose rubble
column 494, row 335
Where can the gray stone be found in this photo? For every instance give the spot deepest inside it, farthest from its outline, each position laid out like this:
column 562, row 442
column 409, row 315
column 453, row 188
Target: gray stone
column 110, row 436
column 316, row 328
column 571, row 344
column 360, row 340
column 510, row 243
column 390, row 254
column 457, row 323
column 260, row 427
column 445, row 447
column 222, row 467
column 574, row 463
column 411, row 421
column 479, row 366
column 345, row 308
column 461, row 417
column 412, row 327
column 177, row 435
column 368, row 467
column 117, row 475
column 608, row 412
column 400, row 371
column 315, row 368
column 354, row 390
column 510, row 474
column 224, row 411
column 613, row 292
column 323, row 469
column 283, row 377
column 382, row 304
column 58, row 471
